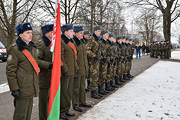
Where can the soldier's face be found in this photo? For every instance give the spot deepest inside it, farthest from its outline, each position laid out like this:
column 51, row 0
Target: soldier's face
column 97, row 32
column 69, row 33
column 111, row 39
column 26, row 36
column 87, row 36
column 106, row 36
column 79, row 35
column 49, row 35
column 114, row 40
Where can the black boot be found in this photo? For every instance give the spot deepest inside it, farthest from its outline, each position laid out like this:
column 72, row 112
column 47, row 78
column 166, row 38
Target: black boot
column 108, row 87
column 129, row 75
column 117, row 82
column 95, row 95
column 121, row 79
column 100, row 90
column 125, row 77
column 112, row 84
column 104, row 89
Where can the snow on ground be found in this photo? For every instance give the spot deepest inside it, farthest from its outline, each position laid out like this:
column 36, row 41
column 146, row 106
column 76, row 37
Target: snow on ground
column 175, row 55
column 152, row 95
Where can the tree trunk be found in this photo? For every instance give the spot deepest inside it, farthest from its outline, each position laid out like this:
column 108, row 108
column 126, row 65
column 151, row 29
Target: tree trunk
column 167, row 26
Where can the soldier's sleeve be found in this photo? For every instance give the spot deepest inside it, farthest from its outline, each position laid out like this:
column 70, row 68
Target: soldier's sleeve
column 42, row 64
column 11, row 68
column 64, row 67
column 90, row 54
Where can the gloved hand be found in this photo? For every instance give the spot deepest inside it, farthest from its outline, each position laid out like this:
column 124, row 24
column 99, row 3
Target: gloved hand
column 16, row 94
column 51, row 65
column 104, row 60
column 66, row 74
column 96, row 58
column 77, row 73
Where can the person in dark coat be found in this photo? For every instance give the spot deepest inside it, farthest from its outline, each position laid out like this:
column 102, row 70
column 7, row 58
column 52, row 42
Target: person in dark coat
column 138, row 50
column 45, row 64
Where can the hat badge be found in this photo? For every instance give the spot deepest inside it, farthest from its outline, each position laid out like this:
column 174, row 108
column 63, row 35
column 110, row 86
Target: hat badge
column 28, row 25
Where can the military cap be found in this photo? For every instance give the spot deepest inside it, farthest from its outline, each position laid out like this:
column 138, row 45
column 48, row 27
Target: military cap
column 123, row 37
column 104, row 32
column 112, row 35
column 67, row 27
column 78, row 28
column 130, row 39
column 47, row 28
column 22, row 27
column 118, row 38
column 86, row 32
column 97, row 28
column 127, row 38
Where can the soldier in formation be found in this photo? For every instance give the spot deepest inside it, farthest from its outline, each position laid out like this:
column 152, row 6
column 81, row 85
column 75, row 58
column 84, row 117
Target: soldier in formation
column 101, row 58
column 161, row 49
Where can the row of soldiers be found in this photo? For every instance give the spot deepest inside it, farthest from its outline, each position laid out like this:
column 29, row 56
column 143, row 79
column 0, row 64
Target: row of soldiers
column 101, row 57
column 109, row 60
column 162, row 49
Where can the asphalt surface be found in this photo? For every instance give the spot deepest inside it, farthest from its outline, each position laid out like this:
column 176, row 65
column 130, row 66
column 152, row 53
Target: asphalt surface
column 6, row 100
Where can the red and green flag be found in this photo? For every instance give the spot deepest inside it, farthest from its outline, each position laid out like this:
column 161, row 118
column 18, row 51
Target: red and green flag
column 54, row 95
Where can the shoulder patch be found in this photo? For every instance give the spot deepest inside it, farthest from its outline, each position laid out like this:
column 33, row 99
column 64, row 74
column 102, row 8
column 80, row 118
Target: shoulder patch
column 37, row 51
column 9, row 57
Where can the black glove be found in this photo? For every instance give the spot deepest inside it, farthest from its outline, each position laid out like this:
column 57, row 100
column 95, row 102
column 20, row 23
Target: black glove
column 96, row 58
column 77, row 73
column 104, row 60
column 66, row 74
column 16, row 94
column 51, row 65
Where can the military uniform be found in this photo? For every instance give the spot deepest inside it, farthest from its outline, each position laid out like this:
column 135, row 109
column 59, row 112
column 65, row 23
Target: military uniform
column 22, row 76
column 79, row 97
column 110, row 69
column 69, row 70
column 44, row 62
column 94, row 56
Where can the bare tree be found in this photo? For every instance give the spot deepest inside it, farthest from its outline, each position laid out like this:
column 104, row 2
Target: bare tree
column 148, row 24
column 10, row 12
column 169, row 9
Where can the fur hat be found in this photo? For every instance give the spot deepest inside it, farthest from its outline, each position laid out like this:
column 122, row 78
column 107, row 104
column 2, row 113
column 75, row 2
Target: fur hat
column 111, row 35
column 104, row 32
column 22, row 27
column 47, row 28
column 86, row 32
column 97, row 28
column 78, row 28
column 67, row 27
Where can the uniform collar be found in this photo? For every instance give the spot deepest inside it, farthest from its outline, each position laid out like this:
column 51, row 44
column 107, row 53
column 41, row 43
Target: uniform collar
column 47, row 42
column 96, row 38
column 78, row 42
column 66, row 40
column 22, row 45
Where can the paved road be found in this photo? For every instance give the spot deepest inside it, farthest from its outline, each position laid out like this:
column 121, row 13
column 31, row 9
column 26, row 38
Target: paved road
column 6, row 100
column 2, row 72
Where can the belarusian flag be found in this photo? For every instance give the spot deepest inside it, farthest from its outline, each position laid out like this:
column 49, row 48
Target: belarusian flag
column 54, row 96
